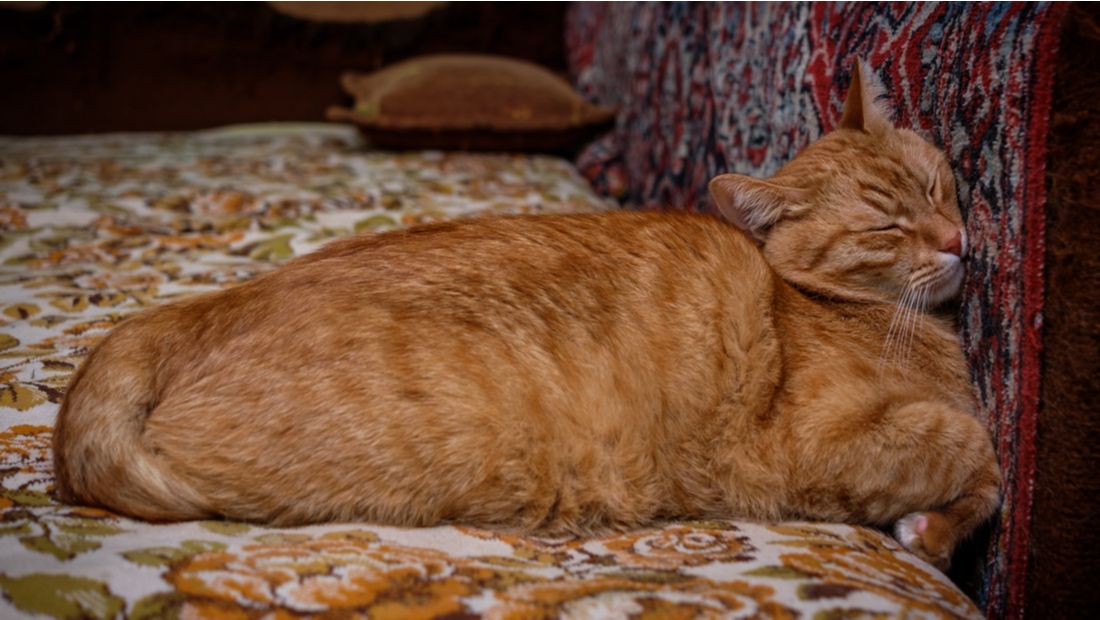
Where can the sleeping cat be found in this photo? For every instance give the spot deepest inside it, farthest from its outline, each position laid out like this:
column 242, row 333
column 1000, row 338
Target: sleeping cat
column 573, row 373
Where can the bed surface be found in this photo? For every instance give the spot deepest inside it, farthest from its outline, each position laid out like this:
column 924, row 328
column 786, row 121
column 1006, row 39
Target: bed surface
column 94, row 228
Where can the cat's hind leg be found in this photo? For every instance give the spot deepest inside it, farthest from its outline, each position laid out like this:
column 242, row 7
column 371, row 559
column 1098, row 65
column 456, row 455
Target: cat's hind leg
column 925, row 467
column 932, row 535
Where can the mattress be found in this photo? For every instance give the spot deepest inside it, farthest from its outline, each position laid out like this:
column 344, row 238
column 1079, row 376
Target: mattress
column 95, row 228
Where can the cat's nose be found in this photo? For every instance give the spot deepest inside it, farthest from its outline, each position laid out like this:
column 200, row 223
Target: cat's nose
column 954, row 244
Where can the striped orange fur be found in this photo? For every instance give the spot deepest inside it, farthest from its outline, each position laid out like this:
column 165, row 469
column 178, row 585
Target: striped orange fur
column 572, row 374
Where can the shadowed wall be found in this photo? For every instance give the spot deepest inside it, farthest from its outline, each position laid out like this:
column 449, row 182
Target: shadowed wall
column 76, row 68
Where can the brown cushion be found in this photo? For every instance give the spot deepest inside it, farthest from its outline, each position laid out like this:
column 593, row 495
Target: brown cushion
column 469, row 101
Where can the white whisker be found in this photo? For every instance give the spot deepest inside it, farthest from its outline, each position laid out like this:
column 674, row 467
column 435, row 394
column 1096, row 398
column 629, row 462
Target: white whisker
column 917, row 314
column 892, row 340
column 907, row 329
column 899, row 328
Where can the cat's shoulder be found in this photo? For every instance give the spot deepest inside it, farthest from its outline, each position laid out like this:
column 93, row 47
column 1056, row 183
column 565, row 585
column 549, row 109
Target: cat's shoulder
column 670, row 228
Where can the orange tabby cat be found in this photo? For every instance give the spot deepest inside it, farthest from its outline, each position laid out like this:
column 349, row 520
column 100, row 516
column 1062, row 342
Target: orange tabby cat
column 573, row 373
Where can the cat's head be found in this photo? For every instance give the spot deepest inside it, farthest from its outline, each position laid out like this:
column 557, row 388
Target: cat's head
column 866, row 212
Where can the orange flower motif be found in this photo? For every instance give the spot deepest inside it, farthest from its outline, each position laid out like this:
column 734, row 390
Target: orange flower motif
column 12, row 218
column 77, row 254
column 678, row 545
column 200, row 241
column 223, row 203
column 601, row 596
column 337, row 571
column 866, row 560
column 26, row 449
column 26, row 464
column 121, row 280
column 531, row 548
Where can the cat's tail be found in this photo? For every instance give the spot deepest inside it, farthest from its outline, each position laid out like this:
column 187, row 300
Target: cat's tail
column 100, row 453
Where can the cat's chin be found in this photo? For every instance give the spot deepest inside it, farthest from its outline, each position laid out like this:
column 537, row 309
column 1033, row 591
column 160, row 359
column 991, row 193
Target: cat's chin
column 948, row 285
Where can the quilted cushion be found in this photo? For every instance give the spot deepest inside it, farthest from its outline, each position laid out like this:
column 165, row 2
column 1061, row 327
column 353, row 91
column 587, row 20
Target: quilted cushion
column 95, row 228
column 469, row 101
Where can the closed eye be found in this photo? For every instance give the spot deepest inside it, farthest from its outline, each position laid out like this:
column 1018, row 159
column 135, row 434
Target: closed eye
column 884, row 228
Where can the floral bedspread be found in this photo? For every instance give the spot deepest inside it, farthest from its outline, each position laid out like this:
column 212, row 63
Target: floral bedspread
column 94, row 228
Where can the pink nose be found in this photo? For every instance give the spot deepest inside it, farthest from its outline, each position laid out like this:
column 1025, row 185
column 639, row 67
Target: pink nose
column 953, row 244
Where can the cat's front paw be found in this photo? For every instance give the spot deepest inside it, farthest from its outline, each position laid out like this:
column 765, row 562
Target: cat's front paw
column 928, row 536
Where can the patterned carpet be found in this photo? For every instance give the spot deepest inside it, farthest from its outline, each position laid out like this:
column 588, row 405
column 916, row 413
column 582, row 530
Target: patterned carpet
column 95, row 228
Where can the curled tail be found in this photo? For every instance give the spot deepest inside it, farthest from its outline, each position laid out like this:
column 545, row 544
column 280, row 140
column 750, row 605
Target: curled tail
column 100, row 454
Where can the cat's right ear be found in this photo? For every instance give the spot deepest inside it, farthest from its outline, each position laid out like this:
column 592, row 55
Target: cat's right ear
column 862, row 110
column 754, row 205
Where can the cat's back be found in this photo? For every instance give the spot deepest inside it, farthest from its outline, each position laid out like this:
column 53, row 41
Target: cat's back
column 571, row 245
column 555, row 269
column 573, row 279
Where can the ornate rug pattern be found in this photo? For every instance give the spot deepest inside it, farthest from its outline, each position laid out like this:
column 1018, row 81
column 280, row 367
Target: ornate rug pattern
column 95, row 228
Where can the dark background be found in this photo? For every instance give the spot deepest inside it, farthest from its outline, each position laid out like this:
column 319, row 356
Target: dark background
column 94, row 67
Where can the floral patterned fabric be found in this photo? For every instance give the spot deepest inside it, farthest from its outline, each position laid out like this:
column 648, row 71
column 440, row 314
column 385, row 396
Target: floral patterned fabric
column 95, row 228
column 706, row 88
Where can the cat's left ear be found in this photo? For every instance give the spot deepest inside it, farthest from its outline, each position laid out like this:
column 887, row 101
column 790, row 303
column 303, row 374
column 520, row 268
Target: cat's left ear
column 862, row 110
column 755, row 205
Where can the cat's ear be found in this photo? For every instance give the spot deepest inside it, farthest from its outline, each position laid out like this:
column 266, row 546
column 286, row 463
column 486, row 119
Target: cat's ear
column 862, row 110
column 755, row 205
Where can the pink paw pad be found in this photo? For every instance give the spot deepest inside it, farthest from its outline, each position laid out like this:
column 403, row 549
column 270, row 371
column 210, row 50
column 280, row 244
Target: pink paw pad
column 906, row 530
column 920, row 536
